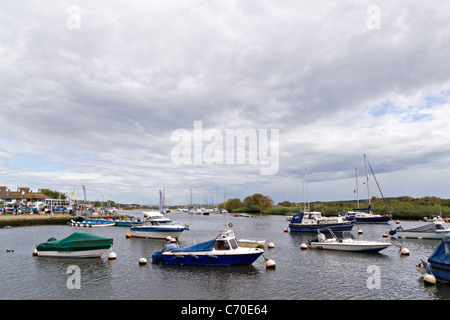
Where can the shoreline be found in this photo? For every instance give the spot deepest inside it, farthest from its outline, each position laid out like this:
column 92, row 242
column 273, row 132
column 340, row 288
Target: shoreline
column 41, row 219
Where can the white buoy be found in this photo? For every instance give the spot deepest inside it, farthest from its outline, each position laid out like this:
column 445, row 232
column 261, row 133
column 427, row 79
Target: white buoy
column 173, row 240
column 360, row 231
column 35, row 252
column 270, row 264
column 430, row 279
column 404, row 251
column 168, row 238
column 112, row 255
column 304, row 246
column 142, row 261
column 271, row 245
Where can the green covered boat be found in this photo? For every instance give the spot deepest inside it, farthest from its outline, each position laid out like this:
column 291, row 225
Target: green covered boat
column 77, row 245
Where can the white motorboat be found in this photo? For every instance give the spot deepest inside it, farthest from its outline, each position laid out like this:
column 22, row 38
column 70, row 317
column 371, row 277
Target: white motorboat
column 346, row 243
column 431, row 230
column 156, row 226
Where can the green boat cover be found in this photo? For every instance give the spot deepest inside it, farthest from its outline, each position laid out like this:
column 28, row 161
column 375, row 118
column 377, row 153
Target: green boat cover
column 76, row 242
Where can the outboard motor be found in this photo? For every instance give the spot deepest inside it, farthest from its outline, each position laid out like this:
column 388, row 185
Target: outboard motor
column 392, row 232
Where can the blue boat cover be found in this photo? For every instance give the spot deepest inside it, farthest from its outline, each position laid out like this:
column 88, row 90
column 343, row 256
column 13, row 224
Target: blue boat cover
column 204, row 246
column 441, row 254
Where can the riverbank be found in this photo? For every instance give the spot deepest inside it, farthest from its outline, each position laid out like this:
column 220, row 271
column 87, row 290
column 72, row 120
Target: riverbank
column 42, row 219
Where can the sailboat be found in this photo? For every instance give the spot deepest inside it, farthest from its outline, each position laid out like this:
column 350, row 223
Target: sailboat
column 358, row 214
column 311, row 221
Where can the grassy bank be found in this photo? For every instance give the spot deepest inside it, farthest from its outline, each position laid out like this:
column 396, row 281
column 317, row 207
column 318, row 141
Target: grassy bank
column 401, row 207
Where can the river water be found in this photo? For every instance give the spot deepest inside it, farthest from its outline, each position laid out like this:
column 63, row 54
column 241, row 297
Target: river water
column 299, row 274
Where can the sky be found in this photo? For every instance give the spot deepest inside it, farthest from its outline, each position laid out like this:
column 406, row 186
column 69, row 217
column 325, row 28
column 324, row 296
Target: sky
column 129, row 98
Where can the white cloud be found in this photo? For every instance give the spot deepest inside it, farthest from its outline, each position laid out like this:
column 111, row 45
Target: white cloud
column 97, row 106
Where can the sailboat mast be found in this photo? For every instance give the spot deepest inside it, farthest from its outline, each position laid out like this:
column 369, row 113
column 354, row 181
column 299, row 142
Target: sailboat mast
column 357, row 192
column 303, row 188
column 367, row 179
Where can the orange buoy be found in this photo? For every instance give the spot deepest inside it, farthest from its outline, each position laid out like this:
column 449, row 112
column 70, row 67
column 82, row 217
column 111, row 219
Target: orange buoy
column 128, row 235
column 385, row 235
column 286, row 230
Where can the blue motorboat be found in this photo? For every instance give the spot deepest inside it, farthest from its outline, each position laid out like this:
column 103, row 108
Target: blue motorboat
column 439, row 262
column 221, row 251
column 311, row 221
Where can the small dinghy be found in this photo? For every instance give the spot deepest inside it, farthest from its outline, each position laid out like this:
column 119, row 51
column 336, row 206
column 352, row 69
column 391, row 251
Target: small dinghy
column 77, row 245
column 431, row 230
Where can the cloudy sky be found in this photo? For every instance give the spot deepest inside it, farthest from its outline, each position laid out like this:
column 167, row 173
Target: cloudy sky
column 95, row 94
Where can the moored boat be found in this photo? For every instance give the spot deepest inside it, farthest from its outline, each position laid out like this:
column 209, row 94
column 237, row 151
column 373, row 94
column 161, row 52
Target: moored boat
column 431, row 230
column 77, row 245
column 438, row 263
column 128, row 222
column 346, row 243
column 221, row 251
column 366, row 217
column 156, row 226
column 311, row 221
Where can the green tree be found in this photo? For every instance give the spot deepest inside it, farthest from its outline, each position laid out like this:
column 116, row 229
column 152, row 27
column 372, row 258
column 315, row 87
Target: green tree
column 258, row 202
column 233, row 204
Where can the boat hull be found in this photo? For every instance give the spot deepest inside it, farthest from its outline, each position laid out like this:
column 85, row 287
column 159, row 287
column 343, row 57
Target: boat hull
column 97, row 253
column 440, row 272
column 376, row 247
column 381, row 219
column 422, row 235
column 210, row 259
column 346, row 226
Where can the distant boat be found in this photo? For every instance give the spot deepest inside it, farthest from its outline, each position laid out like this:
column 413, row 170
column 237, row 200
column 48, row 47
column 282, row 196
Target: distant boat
column 128, row 222
column 156, row 226
column 221, row 251
column 95, row 223
column 346, row 243
column 77, row 245
column 358, row 214
column 439, row 262
column 313, row 221
column 431, row 230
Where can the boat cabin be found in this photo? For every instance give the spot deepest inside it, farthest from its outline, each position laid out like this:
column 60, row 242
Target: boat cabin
column 226, row 244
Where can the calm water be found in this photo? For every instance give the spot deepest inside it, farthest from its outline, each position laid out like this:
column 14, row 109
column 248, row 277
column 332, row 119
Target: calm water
column 299, row 274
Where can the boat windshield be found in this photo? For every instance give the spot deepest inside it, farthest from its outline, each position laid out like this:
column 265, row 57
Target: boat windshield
column 441, row 226
column 233, row 243
column 165, row 222
column 222, row 245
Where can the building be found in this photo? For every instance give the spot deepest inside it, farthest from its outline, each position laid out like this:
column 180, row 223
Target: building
column 22, row 196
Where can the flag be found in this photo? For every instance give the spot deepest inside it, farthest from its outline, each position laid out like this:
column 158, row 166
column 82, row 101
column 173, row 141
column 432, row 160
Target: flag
column 73, row 192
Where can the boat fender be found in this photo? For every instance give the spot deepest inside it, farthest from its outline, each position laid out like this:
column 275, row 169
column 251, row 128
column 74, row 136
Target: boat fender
column 194, row 256
column 179, row 256
column 212, row 256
